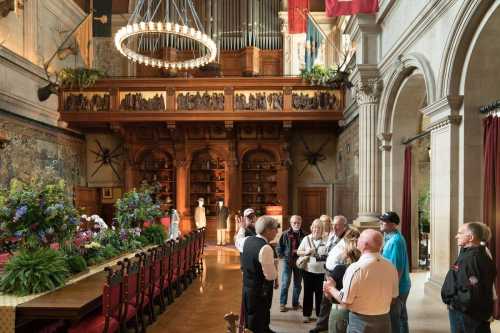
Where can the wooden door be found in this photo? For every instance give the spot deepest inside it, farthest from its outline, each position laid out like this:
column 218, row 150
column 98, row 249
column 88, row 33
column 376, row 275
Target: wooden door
column 312, row 204
column 87, row 200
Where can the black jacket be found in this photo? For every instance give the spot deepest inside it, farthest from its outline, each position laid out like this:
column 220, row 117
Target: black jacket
column 284, row 245
column 468, row 286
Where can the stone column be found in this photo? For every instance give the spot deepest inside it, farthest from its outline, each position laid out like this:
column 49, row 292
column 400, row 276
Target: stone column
column 367, row 96
column 444, row 187
column 30, row 22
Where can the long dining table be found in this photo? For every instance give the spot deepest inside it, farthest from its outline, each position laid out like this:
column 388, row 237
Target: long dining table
column 81, row 295
column 71, row 302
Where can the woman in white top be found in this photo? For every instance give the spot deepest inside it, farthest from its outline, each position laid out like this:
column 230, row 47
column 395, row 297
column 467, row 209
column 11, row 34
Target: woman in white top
column 314, row 246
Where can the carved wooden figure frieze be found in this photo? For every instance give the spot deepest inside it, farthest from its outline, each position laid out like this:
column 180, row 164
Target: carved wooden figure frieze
column 318, row 101
column 137, row 102
column 259, row 101
column 81, row 102
column 197, row 101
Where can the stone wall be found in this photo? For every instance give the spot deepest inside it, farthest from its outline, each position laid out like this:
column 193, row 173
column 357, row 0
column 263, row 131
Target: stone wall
column 346, row 176
column 34, row 146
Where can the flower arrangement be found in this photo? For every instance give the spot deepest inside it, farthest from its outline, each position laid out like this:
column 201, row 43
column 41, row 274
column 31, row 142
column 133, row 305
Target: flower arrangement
column 135, row 208
column 38, row 213
column 94, row 222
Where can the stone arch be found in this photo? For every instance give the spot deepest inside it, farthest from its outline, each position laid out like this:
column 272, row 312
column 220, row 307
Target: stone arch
column 408, row 88
column 460, row 38
column 407, row 65
column 478, row 82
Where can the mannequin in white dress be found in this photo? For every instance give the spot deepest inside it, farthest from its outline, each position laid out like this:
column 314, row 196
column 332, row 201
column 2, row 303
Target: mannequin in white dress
column 199, row 214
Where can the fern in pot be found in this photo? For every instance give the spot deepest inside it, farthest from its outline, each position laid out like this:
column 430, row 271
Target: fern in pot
column 79, row 78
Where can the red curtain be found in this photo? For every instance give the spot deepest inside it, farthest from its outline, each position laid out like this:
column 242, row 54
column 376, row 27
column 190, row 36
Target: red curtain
column 297, row 16
column 350, row 7
column 491, row 197
column 406, row 213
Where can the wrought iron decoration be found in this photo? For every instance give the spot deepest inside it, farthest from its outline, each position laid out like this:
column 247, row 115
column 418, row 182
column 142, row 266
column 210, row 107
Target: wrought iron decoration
column 105, row 156
column 312, row 158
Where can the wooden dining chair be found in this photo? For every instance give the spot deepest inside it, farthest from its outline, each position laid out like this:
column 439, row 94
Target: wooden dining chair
column 157, row 254
column 166, row 272
column 191, row 255
column 108, row 321
column 132, row 306
column 175, row 262
column 146, row 289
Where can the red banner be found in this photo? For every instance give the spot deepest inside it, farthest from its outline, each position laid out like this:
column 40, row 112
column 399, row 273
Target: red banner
column 350, row 7
column 297, row 16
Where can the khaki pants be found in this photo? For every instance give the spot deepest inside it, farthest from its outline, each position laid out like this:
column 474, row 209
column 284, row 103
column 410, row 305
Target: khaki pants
column 221, row 236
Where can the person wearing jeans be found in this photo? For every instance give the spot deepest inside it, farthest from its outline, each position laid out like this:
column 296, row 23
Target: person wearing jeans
column 287, row 252
column 396, row 252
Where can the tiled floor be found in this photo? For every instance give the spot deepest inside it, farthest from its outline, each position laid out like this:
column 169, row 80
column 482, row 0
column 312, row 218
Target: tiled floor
column 202, row 306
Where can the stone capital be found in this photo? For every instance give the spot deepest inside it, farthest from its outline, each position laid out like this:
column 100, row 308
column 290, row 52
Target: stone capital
column 448, row 120
column 368, row 91
column 447, row 106
column 385, row 139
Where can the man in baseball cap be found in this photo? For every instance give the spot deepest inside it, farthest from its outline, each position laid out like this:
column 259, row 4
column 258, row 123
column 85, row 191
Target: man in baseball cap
column 248, row 212
column 396, row 252
column 246, row 228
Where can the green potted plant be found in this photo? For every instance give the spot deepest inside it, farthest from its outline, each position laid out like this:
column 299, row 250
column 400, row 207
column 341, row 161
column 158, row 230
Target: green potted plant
column 424, row 210
column 79, row 78
column 31, row 272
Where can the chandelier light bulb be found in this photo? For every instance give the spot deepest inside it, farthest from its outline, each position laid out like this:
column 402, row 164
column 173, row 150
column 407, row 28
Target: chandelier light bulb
column 145, row 34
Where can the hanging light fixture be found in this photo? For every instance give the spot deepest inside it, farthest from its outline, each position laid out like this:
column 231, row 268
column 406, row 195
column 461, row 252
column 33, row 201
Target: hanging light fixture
column 157, row 24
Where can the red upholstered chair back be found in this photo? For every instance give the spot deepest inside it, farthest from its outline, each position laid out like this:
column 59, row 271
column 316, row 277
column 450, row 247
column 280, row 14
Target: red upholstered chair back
column 166, row 263
column 146, row 278
column 156, row 255
column 132, row 278
column 112, row 295
column 192, row 237
column 175, row 260
column 183, row 255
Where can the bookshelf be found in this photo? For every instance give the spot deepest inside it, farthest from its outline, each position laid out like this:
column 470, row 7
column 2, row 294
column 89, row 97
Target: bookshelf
column 259, row 180
column 207, row 180
column 157, row 169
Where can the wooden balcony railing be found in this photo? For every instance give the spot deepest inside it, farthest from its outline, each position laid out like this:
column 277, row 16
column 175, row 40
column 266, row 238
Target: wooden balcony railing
column 200, row 99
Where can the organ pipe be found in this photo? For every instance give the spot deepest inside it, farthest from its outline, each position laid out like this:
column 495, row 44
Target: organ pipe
column 232, row 24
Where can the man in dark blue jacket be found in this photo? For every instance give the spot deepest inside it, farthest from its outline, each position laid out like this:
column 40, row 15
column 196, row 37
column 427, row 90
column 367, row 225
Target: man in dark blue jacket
column 287, row 252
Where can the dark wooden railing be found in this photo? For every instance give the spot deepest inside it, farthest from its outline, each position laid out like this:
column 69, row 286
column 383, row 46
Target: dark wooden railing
column 200, row 99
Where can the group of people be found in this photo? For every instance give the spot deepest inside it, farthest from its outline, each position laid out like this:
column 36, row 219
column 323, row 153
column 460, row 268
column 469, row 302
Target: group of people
column 357, row 282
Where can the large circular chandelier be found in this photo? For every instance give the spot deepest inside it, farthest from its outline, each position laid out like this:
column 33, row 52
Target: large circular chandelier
column 155, row 24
